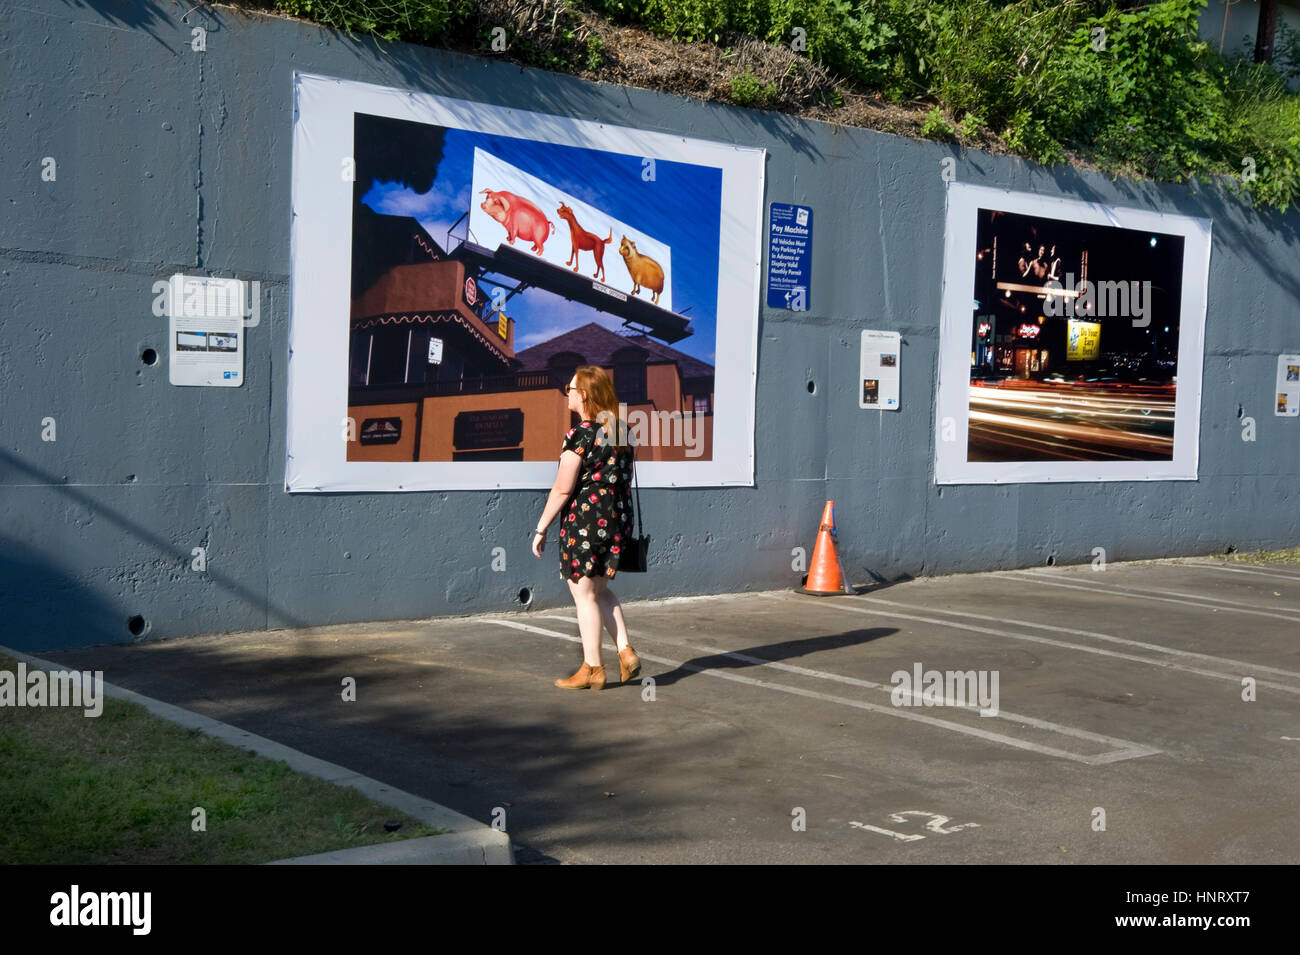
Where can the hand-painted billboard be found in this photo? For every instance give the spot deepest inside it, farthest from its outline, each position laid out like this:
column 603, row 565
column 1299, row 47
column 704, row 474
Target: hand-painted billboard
column 524, row 211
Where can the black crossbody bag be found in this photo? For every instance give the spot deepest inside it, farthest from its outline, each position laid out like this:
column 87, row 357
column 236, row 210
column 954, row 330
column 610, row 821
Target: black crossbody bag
column 635, row 554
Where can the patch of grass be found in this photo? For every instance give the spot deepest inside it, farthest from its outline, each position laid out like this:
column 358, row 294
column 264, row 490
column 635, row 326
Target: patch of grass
column 595, row 52
column 936, row 126
column 122, row 787
column 973, row 125
column 1288, row 555
column 419, row 21
column 746, row 90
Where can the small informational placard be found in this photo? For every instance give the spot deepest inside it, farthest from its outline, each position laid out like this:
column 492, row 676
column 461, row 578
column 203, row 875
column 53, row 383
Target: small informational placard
column 206, row 331
column 879, row 370
column 435, row 351
column 789, row 256
column 1288, row 386
column 497, row 428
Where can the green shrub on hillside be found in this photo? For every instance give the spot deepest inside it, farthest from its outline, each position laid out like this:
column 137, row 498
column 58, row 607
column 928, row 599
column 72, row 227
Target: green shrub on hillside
column 1134, row 91
column 746, row 90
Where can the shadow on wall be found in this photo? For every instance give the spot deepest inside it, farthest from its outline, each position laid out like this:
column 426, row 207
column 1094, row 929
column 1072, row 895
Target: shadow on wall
column 158, row 18
column 43, row 608
column 410, row 66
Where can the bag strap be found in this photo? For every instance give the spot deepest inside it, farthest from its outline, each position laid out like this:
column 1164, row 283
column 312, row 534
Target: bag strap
column 640, row 531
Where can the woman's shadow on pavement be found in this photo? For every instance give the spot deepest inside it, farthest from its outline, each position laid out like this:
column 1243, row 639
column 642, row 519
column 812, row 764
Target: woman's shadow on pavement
column 770, row 653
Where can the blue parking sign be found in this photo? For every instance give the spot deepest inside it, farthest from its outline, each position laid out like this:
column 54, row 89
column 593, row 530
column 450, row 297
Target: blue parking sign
column 789, row 256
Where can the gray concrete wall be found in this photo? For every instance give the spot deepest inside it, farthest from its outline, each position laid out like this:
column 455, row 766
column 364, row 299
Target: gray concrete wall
column 174, row 160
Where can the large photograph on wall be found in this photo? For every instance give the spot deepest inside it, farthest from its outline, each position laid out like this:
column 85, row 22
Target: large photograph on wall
column 1071, row 343
column 453, row 264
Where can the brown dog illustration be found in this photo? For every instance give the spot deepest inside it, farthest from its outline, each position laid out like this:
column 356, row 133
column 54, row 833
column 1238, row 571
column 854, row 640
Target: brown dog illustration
column 584, row 241
column 643, row 269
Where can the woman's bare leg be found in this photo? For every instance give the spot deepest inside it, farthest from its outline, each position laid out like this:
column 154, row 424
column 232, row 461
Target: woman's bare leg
column 611, row 613
column 589, row 618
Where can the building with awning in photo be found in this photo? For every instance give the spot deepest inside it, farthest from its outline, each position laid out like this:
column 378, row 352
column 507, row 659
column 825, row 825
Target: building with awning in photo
column 433, row 375
column 668, row 394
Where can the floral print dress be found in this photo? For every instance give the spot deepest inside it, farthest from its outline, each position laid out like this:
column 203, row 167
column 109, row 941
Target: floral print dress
column 596, row 523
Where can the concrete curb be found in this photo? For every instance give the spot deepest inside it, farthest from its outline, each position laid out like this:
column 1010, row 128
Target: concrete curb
column 469, row 843
column 455, row 848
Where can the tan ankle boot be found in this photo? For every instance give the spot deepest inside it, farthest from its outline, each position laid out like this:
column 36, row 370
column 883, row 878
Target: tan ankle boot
column 587, row 677
column 629, row 664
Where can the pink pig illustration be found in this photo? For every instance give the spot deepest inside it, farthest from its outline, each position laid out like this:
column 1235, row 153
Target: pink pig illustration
column 519, row 216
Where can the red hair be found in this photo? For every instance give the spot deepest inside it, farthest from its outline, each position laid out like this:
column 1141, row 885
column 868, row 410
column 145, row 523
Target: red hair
column 600, row 400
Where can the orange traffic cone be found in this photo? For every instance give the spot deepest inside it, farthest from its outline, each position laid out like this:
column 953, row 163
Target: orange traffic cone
column 825, row 577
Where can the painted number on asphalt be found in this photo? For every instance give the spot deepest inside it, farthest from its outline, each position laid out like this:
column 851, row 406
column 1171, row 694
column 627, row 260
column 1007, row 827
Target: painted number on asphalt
column 937, row 824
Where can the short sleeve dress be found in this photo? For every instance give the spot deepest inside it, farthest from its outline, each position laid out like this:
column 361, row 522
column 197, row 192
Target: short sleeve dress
column 596, row 522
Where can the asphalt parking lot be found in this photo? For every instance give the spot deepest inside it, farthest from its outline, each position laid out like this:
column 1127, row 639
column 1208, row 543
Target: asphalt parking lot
column 775, row 731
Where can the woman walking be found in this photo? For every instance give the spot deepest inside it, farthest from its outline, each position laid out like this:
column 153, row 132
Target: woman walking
column 592, row 496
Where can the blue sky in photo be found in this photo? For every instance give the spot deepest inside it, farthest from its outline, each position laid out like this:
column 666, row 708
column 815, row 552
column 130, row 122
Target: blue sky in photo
column 682, row 208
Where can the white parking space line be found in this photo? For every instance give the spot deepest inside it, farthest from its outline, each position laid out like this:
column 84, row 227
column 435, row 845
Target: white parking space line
column 1123, row 749
column 867, row 684
column 1164, row 664
column 1035, row 625
column 1291, row 614
column 1246, row 570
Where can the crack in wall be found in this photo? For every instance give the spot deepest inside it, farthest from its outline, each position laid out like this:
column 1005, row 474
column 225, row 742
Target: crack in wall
column 198, row 171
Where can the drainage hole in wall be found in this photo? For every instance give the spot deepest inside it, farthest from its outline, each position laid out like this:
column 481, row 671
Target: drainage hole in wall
column 149, row 356
column 525, row 596
column 812, row 387
column 136, row 625
column 1051, row 560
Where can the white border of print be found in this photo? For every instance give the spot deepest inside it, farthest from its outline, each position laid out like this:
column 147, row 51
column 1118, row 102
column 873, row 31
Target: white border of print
column 320, row 269
column 950, row 464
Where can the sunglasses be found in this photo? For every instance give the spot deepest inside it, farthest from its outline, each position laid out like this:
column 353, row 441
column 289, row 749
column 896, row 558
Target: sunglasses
column 568, row 388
